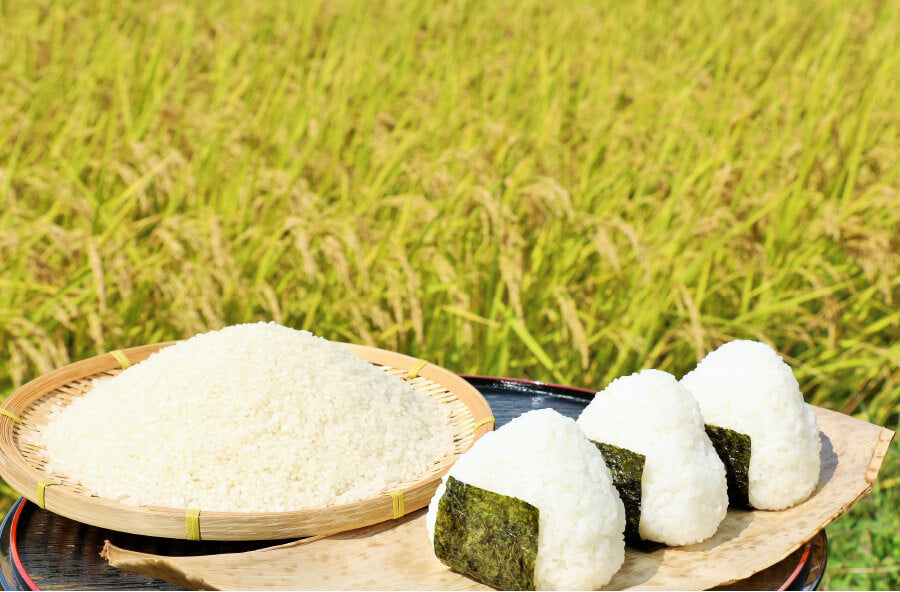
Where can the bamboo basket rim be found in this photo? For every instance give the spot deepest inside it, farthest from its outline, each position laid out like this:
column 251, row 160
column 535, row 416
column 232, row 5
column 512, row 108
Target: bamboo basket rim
column 21, row 463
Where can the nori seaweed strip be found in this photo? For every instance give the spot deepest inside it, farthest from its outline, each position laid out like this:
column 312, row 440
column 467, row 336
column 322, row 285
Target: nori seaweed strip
column 734, row 450
column 487, row 536
column 627, row 470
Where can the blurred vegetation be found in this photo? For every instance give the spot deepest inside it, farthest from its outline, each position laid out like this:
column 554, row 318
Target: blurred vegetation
column 566, row 194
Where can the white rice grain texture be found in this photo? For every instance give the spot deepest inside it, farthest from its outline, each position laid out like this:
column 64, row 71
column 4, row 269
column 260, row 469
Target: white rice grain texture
column 542, row 457
column 745, row 386
column 251, row 418
column 684, row 494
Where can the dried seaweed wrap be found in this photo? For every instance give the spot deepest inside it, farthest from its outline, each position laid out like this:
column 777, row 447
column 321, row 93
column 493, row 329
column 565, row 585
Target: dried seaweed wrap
column 683, row 489
column 734, row 449
column 530, row 506
column 627, row 471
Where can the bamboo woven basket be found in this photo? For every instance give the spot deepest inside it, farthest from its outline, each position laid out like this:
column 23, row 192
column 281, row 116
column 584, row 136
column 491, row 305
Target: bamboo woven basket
column 22, row 463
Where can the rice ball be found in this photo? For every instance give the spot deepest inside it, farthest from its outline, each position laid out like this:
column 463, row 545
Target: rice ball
column 684, row 495
column 542, row 458
column 745, row 386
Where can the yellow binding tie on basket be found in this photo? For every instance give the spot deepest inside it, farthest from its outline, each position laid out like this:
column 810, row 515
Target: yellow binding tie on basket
column 121, row 358
column 484, row 421
column 192, row 525
column 11, row 415
column 41, row 486
column 414, row 371
column 397, row 501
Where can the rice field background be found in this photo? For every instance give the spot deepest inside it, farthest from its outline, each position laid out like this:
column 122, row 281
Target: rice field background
column 566, row 193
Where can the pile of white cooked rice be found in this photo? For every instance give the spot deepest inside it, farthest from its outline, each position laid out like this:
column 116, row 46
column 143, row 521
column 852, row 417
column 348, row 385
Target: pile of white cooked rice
column 252, row 418
column 745, row 386
column 542, row 458
column 684, row 495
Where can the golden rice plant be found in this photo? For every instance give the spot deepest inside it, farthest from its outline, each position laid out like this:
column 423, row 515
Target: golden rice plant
column 565, row 193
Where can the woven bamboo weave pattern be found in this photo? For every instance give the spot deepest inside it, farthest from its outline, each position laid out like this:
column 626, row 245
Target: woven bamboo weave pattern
column 23, row 463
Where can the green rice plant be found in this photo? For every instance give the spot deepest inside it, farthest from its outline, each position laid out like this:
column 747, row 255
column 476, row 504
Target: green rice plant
column 565, row 193
column 865, row 542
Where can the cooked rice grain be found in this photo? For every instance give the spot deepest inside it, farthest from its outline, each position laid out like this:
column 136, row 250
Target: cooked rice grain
column 254, row 418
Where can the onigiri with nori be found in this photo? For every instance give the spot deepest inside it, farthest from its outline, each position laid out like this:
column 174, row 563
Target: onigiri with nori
column 745, row 386
column 683, row 487
column 530, row 506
